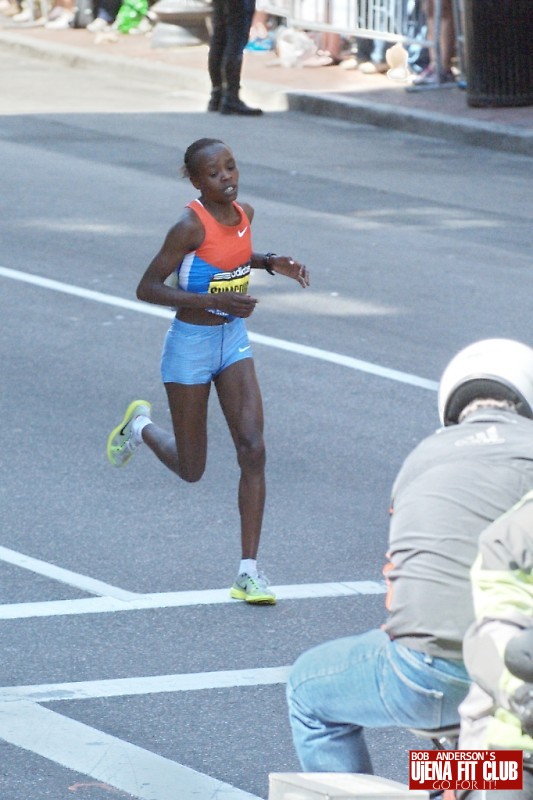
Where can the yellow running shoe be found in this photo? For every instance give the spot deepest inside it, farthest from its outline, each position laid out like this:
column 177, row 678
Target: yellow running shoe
column 253, row 590
column 121, row 444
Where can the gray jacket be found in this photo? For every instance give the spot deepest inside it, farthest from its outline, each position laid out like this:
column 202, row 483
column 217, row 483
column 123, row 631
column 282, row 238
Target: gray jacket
column 449, row 489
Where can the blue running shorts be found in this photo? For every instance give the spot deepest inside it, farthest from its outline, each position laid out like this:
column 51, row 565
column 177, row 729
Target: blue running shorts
column 195, row 354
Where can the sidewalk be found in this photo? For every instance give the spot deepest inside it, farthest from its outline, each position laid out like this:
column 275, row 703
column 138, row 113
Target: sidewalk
column 328, row 91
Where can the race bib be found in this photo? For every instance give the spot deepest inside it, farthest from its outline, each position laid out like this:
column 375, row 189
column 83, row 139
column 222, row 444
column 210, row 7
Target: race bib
column 235, row 280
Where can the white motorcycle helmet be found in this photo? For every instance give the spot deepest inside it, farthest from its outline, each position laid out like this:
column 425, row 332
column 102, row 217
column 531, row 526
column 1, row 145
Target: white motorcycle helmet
column 501, row 369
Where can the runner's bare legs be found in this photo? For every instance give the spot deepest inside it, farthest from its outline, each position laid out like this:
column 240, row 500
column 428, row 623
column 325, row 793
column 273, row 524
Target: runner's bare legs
column 240, row 400
column 185, row 451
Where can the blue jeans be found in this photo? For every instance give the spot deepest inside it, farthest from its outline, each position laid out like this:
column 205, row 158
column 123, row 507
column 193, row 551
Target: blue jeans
column 337, row 689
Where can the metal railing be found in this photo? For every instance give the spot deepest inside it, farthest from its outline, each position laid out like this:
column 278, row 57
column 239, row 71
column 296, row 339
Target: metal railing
column 385, row 20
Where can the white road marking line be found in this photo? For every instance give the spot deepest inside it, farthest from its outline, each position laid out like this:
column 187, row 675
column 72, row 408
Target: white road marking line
column 64, row 575
column 345, row 361
column 153, row 684
column 120, row 764
column 268, row 341
column 86, row 294
column 140, row 602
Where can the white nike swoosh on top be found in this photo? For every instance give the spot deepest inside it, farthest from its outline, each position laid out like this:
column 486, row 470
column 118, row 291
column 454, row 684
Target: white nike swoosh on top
column 242, row 349
column 241, row 233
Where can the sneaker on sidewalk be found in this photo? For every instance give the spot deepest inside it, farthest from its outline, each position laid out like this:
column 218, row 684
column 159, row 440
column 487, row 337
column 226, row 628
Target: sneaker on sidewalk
column 144, row 26
column 62, row 22
column 373, row 67
column 430, row 77
column 26, row 15
column 98, row 25
column 121, row 444
column 350, row 63
column 253, row 590
column 260, row 44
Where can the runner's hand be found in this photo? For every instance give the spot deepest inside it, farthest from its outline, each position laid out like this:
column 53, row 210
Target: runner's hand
column 235, row 304
column 292, row 269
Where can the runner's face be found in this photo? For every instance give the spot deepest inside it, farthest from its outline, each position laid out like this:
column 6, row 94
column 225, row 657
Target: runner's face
column 217, row 174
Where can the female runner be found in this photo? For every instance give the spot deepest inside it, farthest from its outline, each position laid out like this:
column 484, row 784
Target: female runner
column 210, row 249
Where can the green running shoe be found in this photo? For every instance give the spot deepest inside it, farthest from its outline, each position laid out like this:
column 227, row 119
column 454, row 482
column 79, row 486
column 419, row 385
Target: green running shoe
column 121, row 444
column 253, row 590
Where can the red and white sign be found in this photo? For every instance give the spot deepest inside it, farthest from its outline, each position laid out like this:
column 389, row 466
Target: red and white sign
column 465, row 769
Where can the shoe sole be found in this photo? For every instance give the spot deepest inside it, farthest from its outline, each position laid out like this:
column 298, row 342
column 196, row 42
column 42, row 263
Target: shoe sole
column 127, row 416
column 258, row 600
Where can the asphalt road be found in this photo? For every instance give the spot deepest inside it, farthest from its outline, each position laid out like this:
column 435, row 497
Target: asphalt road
column 416, row 247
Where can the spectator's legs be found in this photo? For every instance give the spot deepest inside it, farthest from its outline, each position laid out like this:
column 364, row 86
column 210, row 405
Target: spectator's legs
column 239, row 20
column 108, row 9
column 364, row 49
column 259, row 27
column 217, row 46
column 447, row 35
column 446, row 42
column 231, row 29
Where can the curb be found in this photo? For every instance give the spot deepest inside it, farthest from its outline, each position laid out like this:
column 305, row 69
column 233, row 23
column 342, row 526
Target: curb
column 424, row 123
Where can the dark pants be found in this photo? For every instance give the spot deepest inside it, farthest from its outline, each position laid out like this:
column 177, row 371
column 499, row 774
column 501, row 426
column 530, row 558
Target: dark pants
column 108, row 9
column 231, row 20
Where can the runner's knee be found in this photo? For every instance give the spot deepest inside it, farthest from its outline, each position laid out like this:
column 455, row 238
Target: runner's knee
column 191, row 472
column 251, row 453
